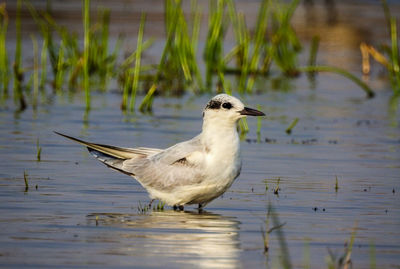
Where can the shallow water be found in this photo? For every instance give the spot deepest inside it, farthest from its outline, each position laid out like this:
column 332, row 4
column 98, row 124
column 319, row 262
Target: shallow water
column 78, row 214
column 84, row 215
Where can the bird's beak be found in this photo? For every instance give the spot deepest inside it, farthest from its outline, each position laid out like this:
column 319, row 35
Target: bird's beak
column 251, row 112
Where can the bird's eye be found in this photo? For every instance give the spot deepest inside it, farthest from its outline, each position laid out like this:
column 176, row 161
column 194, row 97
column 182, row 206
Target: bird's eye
column 227, row 105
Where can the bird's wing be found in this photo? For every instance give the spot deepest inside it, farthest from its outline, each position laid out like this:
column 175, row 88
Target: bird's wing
column 181, row 164
column 166, row 169
column 179, row 152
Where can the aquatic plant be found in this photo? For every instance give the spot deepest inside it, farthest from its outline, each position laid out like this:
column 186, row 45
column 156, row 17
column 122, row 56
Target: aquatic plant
column 43, row 65
column 285, row 261
column 343, row 261
column 35, row 73
column 213, row 50
column 143, row 209
column 177, row 70
column 313, row 57
column 26, row 181
column 131, row 74
column 4, row 65
column 277, row 189
column 18, row 74
column 92, row 62
column 259, row 124
column 271, row 44
column 291, row 126
column 285, row 43
column 336, row 185
column 38, row 151
column 159, row 207
column 86, row 46
column 333, row 261
column 266, row 232
column 388, row 56
column 372, row 256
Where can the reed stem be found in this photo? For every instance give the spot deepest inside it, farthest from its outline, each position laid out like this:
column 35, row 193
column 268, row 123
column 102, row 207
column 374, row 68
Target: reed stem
column 4, row 68
column 17, row 62
column 86, row 23
column 136, row 71
column 35, row 72
column 323, row 68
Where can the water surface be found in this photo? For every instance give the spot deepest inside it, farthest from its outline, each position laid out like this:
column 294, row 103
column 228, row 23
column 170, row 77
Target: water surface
column 79, row 214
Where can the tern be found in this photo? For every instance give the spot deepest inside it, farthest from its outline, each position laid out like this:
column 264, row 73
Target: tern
column 191, row 172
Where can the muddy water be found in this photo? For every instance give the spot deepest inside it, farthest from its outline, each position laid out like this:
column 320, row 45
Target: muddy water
column 79, row 214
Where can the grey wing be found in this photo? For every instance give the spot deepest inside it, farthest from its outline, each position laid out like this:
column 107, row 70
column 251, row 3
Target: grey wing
column 178, row 165
column 179, row 151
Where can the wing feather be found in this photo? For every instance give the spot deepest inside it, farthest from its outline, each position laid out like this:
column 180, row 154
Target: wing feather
column 179, row 165
column 179, row 151
column 117, row 152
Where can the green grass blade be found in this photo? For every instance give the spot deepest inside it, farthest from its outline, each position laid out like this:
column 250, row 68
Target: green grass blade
column 323, row 68
column 284, row 256
column 103, row 61
column 225, row 83
column 43, row 64
column 243, row 127
column 4, row 67
column 147, row 102
column 17, row 61
column 35, row 71
column 291, row 126
column 313, row 51
column 128, row 74
column 38, row 151
column 26, row 181
column 59, row 79
column 395, row 55
column 86, row 26
column 372, row 256
column 386, row 11
column 132, row 57
column 259, row 42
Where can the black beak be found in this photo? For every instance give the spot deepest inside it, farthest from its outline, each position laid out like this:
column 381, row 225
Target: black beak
column 251, row 112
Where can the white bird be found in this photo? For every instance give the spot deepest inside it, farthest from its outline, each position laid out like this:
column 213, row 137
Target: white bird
column 191, row 172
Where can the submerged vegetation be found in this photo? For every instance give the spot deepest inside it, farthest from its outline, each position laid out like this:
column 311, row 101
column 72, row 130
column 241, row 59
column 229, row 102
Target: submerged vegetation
column 26, row 181
column 333, row 260
column 38, row 151
column 271, row 46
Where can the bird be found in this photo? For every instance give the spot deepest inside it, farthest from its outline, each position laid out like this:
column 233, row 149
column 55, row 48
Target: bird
column 195, row 171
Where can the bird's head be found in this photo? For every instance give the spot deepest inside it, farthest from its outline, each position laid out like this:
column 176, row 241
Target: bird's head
column 224, row 108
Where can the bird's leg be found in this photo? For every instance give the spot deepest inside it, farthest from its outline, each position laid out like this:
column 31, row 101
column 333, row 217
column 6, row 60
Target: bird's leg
column 178, row 207
column 200, row 208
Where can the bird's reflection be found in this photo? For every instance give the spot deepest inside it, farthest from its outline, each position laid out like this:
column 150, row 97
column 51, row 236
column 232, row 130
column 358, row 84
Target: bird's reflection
column 187, row 238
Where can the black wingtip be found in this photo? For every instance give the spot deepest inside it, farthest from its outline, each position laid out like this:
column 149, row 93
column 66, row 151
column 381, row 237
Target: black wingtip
column 72, row 138
column 66, row 136
column 60, row 134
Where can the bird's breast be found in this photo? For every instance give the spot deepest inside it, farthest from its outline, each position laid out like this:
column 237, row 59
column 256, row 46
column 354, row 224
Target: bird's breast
column 223, row 164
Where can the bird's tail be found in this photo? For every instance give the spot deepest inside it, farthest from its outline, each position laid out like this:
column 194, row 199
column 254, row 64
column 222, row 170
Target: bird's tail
column 111, row 156
column 116, row 152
